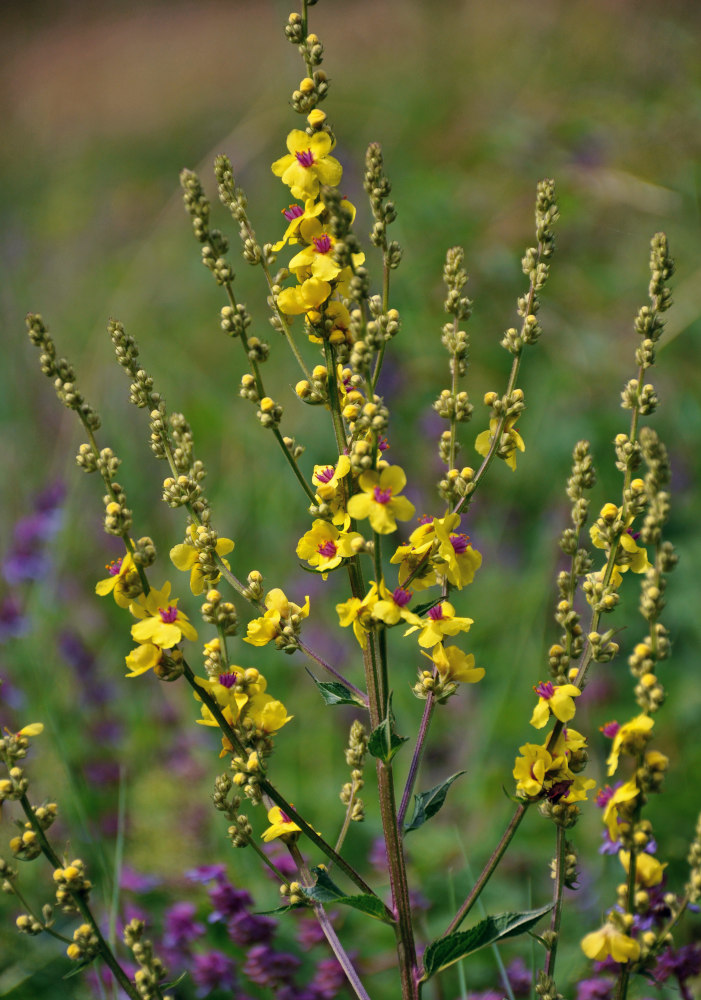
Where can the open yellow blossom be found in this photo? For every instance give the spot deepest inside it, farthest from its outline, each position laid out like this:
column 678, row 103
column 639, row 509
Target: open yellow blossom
column 161, row 622
column 441, row 620
column 380, row 500
column 555, row 698
column 531, row 768
column 630, row 738
column 609, row 940
column 304, row 297
column 280, row 826
column 262, row 630
column 308, row 164
column 630, row 555
column 267, row 713
column 123, row 576
column 223, row 690
column 619, row 807
column 358, row 613
column 145, row 657
column 393, row 606
column 511, row 440
column 454, row 665
column 295, row 216
column 414, row 557
column 327, row 478
column 462, row 561
column 324, row 546
column 648, row 870
column 185, row 557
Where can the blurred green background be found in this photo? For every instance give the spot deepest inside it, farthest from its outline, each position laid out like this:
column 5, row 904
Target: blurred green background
column 102, row 105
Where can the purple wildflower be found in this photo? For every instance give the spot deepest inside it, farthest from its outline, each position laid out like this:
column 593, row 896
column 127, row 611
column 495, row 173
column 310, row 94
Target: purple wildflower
column 213, row 971
column 180, row 927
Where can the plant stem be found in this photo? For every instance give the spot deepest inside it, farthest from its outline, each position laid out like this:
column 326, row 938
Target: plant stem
column 416, row 759
column 556, row 915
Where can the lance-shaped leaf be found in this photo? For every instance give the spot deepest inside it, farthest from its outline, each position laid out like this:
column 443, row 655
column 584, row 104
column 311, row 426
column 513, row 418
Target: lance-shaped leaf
column 335, row 693
column 384, row 742
column 451, row 948
column 326, row 891
column 427, row 804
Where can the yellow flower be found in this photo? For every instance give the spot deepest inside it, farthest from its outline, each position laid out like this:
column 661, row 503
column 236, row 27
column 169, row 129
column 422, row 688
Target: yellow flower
column 31, row 729
column 280, row 826
column 295, row 216
column 619, row 807
column 531, row 768
column 510, row 440
column 440, row 621
column 380, row 501
column 185, row 557
column 120, row 583
column 268, row 714
column 327, row 478
column 392, row 607
column 324, row 546
column 304, row 297
column 630, row 738
column 630, row 555
column 308, row 164
column 223, row 691
column 162, row 623
column 648, row 870
column 462, row 561
column 609, row 940
column 262, row 630
column 454, row 665
column 358, row 614
column 555, row 698
column 144, row 657
column 417, row 554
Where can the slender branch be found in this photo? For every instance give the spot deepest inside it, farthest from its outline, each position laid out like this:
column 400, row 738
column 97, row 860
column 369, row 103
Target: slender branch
column 416, row 758
column 556, row 915
column 489, row 869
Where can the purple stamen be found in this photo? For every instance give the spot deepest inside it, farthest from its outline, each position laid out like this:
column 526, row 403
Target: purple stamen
column 459, row 543
column 436, row 613
column 382, row 443
column 284, row 817
column 327, row 549
column 169, row 614
column 381, row 496
column 114, row 567
column 326, row 475
column 293, row 212
column 425, row 519
column 545, row 690
column 305, row 158
column 635, row 535
column 322, row 243
column 227, row 680
column 603, row 796
column 610, row 729
column 401, row 597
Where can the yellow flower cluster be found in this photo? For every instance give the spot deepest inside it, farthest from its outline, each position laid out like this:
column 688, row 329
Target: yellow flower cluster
column 321, row 281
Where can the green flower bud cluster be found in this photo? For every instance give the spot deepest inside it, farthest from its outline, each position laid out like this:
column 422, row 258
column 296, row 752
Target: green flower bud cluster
column 563, row 814
column 151, row 969
column 269, row 413
column 223, row 614
column 235, row 321
column 71, row 883
column 61, row 373
column 456, row 483
column 384, row 212
column 453, row 406
column 603, row 650
column 570, row 871
column 693, row 886
column 85, row 944
column 254, row 588
column 180, row 491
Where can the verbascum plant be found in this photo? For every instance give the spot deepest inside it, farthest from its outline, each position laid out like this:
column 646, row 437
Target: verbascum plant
column 400, row 573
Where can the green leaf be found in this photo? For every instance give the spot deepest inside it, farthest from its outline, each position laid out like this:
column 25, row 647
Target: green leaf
column 335, row 693
column 384, row 742
column 451, row 948
column 427, row 804
column 326, row 891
